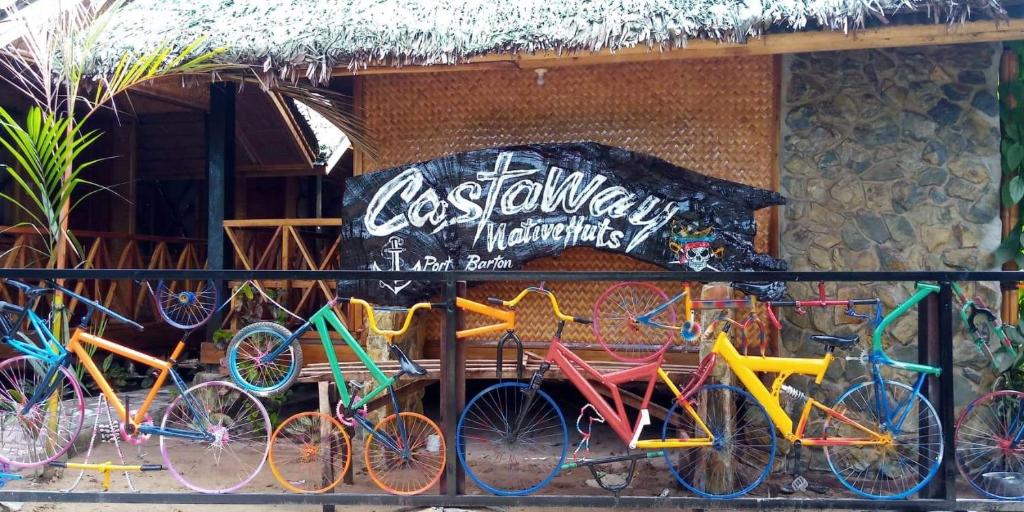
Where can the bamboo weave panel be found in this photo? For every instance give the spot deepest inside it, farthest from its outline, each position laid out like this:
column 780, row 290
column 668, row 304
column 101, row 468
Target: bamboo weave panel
column 715, row 116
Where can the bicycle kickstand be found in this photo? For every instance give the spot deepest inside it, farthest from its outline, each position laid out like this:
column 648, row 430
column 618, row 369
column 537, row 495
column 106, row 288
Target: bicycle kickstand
column 799, row 483
column 614, row 488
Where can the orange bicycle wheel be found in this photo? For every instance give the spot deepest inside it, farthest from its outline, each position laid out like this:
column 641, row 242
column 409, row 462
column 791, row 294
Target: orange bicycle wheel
column 411, row 474
column 310, row 453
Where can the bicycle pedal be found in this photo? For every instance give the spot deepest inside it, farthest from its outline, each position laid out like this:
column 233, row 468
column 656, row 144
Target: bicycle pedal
column 799, row 484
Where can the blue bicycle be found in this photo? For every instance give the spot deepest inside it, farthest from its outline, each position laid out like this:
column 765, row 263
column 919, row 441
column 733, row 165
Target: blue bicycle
column 214, row 436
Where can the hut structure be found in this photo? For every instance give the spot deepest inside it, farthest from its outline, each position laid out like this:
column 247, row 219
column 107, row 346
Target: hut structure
column 879, row 121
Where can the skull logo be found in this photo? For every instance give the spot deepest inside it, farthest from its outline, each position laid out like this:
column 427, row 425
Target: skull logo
column 696, row 255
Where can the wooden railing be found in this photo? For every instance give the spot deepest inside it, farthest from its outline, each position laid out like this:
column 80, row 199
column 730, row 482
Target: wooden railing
column 23, row 247
column 287, row 244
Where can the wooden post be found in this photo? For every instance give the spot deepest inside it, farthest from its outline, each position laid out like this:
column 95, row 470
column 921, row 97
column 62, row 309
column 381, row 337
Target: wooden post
column 220, row 176
column 324, row 390
column 453, row 387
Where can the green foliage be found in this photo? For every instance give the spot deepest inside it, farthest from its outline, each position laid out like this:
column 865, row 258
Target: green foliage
column 221, row 337
column 1012, row 151
column 252, row 306
column 42, row 146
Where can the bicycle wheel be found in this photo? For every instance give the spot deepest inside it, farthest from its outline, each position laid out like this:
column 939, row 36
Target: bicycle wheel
column 505, row 462
column 405, row 475
column 741, row 455
column 617, row 329
column 310, row 452
column 49, row 428
column 239, row 437
column 186, row 304
column 890, row 471
column 986, row 453
column 245, row 359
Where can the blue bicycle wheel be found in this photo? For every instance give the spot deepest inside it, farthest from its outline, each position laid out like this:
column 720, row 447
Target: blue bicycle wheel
column 886, row 471
column 246, row 359
column 502, row 459
column 186, row 305
column 743, row 450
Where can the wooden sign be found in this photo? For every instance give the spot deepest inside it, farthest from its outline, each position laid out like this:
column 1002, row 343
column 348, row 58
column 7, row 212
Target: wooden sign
column 496, row 209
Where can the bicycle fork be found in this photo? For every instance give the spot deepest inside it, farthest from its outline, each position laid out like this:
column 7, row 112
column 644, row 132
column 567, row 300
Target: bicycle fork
column 400, row 445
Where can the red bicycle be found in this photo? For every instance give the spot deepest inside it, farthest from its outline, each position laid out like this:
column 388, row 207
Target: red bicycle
column 512, row 438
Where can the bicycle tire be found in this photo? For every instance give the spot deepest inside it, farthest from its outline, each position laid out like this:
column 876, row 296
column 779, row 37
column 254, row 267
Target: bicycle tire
column 704, row 470
column 983, row 444
column 615, row 326
column 474, row 425
column 21, row 445
column 872, row 463
column 186, row 308
column 380, row 460
column 252, row 342
column 297, row 455
column 236, row 418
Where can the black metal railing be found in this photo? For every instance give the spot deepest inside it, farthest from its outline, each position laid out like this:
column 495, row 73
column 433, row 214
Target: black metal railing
column 936, row 335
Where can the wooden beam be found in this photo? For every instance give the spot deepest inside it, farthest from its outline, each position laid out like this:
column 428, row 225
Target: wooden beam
column 250, row 151
column 274, row 223
column 293, row 128
column 770, row 44
column 161, row 96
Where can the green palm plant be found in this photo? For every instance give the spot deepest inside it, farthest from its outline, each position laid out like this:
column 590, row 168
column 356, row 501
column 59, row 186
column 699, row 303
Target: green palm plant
column 50, row 65
column 42, row 145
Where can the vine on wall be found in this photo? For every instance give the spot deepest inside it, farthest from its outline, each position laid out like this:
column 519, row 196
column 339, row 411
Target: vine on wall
column 1011, row 116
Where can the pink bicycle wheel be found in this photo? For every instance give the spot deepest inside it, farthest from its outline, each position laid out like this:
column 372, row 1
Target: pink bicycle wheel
column 617, row 329
column 46, row 430
column 988, row 452
column 240, row 437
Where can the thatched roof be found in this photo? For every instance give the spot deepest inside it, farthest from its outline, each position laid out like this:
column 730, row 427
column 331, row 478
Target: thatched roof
column 296, row 37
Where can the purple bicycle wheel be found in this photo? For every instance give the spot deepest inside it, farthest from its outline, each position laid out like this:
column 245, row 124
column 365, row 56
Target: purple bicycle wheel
column 240, row 429
column 47, row 429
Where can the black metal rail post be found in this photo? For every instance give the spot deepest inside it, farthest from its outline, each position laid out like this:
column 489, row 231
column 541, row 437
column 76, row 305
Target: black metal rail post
column 935, row 347
column 947, row 400
column 449, row 384
column 927, row 353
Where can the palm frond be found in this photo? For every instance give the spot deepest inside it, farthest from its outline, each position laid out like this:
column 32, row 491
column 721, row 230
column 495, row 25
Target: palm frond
column 336, row 107
column 43, row 146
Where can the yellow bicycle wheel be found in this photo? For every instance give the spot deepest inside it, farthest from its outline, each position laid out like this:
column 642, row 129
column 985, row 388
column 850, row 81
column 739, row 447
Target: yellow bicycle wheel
column 310, row 453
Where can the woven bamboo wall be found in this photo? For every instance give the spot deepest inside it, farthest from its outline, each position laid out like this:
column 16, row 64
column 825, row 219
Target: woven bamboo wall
column 715, row 116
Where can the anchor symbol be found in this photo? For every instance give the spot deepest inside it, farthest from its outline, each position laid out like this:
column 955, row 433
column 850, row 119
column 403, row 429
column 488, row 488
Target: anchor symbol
column 393, row 251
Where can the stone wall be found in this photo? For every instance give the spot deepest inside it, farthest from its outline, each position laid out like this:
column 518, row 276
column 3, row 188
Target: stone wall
column 890, row 161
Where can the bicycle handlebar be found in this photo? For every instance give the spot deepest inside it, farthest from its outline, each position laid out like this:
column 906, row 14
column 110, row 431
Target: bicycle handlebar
column 97, row 306
column 551, row 298
column 372, row 321
column 27, row 288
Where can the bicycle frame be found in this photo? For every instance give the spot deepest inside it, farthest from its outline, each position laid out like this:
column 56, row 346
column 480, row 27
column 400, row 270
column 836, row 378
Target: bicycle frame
column 325, row 320
column 746, row 368
column 76, row 345
column 50, row 351
column 878, row 354
column 56, row 356
column 616, row 417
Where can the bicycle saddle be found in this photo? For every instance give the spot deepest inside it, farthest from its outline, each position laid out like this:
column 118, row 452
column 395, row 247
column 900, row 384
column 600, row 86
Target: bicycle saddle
column 408, row 366
column 829, row 340
column 765, row 292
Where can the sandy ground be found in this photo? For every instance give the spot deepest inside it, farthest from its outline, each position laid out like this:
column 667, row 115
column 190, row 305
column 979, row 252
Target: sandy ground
column 652, row 479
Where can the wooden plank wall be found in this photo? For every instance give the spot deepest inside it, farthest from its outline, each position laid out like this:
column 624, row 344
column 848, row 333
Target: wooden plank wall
column 715, row 116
